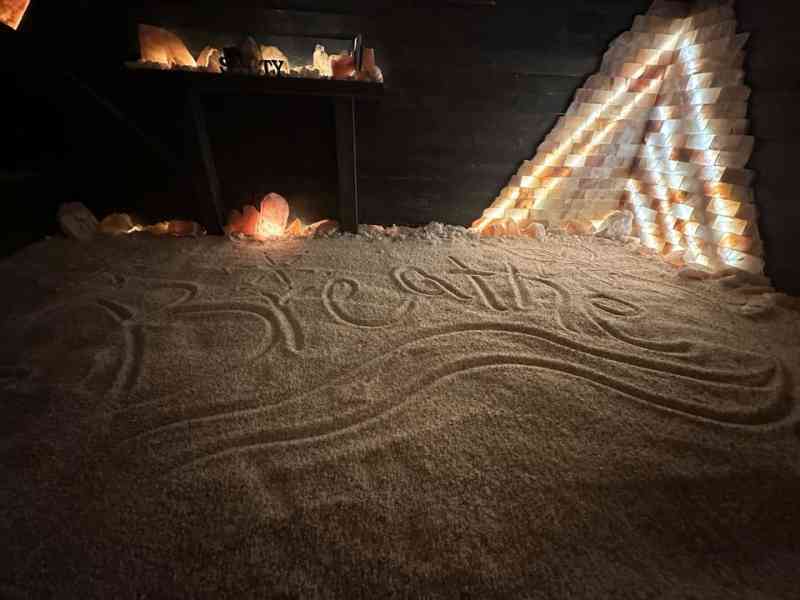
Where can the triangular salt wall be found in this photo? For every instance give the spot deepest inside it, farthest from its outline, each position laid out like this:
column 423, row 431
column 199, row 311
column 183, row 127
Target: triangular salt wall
column 660, row 130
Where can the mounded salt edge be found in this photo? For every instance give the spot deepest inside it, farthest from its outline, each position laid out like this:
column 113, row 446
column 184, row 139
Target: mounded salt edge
column 432, row 232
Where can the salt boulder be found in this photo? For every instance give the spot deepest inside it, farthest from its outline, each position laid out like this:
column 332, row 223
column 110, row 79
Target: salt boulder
column 616, row 226
column 116, row 224
column 274, row 214
column 535, row 231
column 77, row 221
column 323, row 228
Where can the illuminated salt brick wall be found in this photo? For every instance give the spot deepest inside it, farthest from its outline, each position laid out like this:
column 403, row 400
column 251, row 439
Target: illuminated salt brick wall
column 661, row 130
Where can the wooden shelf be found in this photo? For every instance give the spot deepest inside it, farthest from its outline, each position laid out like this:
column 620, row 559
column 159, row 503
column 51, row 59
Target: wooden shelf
column 215, row 83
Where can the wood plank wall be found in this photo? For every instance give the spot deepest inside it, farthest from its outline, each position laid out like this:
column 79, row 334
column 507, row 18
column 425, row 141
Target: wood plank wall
column 773, row 72
column 472, row 87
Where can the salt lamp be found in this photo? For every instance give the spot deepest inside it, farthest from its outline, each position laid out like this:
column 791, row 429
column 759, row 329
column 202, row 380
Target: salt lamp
column 116, row 224
column 162, row 46
column 343, row 66
column 250, row 220
column 322, row 61
column 274, row 215
column 12, row 11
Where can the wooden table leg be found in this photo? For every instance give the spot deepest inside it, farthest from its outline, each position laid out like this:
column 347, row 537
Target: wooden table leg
column 347, row 160
column 207, row 183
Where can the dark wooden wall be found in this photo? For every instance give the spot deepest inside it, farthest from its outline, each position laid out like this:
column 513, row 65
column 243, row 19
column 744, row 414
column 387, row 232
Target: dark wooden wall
column 472, row 86
column 773, row 71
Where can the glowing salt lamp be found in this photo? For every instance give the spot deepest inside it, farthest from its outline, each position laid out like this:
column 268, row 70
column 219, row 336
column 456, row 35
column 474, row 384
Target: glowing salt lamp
column 343, row 66
column 274, row 215
column 250, row 220
column 162, row 46
column 12, row 11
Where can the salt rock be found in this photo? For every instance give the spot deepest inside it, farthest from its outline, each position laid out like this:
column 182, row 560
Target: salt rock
column 616, row 226
column 250, row 220
column 512, row 228
column 77, row 221
column 235, row 222
column 323, row 228
column 295, row 228
column 162, row 46
column 185, row 229
column 275, row 212
column 535, row 231
column 116, row 224
column 577, row 228
column 675, row 258
column 343, row 66
column 322, row 61
column 695, row 271
column 369, row 69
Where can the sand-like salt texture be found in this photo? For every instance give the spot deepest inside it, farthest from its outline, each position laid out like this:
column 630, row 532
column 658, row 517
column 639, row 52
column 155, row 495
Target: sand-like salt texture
column 372, row 419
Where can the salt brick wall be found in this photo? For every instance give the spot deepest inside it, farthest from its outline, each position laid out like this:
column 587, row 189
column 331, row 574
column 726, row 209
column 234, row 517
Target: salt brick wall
column 662, row 130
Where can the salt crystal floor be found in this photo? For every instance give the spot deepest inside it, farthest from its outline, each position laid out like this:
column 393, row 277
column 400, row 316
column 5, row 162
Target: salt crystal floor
column 376, row 418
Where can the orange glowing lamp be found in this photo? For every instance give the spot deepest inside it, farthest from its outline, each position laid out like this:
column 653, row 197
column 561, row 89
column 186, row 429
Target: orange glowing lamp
column 12, row 11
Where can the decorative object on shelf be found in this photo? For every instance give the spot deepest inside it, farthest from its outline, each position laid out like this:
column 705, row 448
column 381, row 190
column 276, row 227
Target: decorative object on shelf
column 343, row 66
column 251, row 56
column 660, row 131
column 160, row 46
column 274, row 53
column 322, row 61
